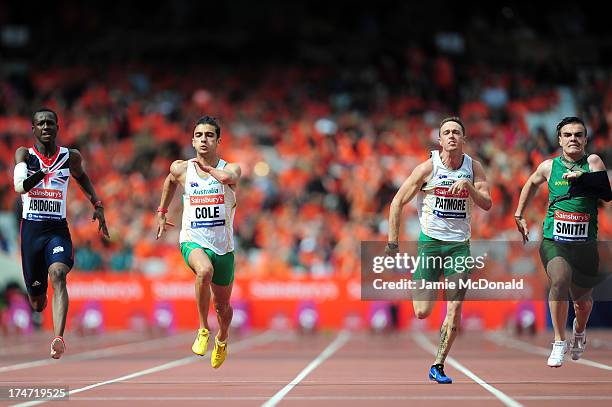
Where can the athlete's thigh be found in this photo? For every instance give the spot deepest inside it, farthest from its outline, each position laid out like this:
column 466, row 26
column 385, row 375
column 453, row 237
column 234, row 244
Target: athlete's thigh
column 459, row 281
column 59, row 252
column 33, row 260
column 199, row 260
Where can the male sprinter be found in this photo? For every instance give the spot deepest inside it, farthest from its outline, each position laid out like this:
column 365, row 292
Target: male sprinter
column 569, row 247
column 207, row 235
column 41, row 177
column 449, row 181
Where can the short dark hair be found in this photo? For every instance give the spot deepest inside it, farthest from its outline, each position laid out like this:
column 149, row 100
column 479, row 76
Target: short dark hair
column 45, row 109
column 451, row 119
column 209, row 120
column 570, row 120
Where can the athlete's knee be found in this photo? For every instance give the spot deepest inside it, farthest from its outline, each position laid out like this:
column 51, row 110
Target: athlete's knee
column 204, row 274
column 38, row 303
column 223, row 308
column 560, row 284
column 583, row 304
column 422, row 312
column 58, row 274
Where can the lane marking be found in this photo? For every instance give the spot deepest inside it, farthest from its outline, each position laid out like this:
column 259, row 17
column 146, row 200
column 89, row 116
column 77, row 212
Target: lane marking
column 336, row 344
column 147, row 345
column 538, row 350
column 424, row 343
column 339, row 398
column 239, row 346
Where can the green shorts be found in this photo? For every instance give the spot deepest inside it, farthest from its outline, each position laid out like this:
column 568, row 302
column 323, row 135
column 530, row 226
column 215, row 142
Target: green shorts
column 438, row 256
column 223, row 265
column 582, row 257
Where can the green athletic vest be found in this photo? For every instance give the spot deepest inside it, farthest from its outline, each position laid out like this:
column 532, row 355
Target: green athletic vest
column 569, row 220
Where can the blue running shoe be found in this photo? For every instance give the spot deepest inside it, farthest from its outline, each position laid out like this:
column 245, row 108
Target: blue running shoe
column 437, row 373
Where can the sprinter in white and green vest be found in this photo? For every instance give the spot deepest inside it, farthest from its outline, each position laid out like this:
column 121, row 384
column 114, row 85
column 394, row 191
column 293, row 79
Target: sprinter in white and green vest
column 569, row 245
column 207, row 229
column 447, row 186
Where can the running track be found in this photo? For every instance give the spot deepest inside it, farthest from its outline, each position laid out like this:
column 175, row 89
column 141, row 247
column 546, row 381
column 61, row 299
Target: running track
column 339, row 369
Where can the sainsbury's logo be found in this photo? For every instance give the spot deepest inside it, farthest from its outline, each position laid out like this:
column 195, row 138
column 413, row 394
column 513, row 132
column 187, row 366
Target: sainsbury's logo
column 46, row 193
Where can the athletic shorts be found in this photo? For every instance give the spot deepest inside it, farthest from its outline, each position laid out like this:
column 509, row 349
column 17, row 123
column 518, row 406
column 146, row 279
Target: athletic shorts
column 582, row 257
column 223, row 265
column 438, row 257
column 42, row 244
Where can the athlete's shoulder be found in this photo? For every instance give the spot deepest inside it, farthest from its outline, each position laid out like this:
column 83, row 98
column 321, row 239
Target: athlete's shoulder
column 595, row 163
column 426, row 166
column 21, row 154
column 178, row 167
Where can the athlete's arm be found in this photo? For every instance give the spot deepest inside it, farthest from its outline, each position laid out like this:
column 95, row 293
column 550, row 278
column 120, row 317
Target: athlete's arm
column 540, row 176
column 479, row 191
column 172, row 181
column 78, row 173
column 596, row 163
column 22, row 182
column 229, row 175
column 407, row 191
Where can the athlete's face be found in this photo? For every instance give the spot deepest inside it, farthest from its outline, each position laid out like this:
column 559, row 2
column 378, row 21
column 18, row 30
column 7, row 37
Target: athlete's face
column 205, row 139
column 451, row 136
column 572, row 139
column 45, row 127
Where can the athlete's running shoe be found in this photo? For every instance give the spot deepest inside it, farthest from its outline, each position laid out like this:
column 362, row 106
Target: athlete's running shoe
column 58, row 347
column 219, row 353
column 557, row 354
column 577, row 343
column 200, row 345
column 436, row 372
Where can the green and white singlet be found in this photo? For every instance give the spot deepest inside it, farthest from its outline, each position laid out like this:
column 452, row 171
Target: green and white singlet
column 569, row 220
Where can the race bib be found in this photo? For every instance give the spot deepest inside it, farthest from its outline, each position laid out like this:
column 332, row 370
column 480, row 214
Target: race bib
column 571, row 226
column 207, row 210
column 448, row 205
column 44, row 204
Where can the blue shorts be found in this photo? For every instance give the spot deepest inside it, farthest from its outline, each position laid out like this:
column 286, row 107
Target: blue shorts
column 42, row 244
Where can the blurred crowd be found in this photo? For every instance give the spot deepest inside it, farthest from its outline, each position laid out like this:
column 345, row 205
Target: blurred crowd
column 326, row 117
column 322, row 152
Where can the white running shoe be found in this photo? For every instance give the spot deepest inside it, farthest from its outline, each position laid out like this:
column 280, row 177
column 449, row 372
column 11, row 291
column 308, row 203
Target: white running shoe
column 577, row 343
column 557, row 354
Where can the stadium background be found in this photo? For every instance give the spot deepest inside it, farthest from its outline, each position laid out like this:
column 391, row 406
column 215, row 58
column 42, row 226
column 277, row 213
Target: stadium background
column 327, row 107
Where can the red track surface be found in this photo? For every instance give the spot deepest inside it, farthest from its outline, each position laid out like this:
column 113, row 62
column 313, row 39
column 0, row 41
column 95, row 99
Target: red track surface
column 356, row 369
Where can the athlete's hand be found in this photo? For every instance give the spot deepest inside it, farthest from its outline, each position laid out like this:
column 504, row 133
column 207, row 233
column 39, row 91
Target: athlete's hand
column 99, row 214
column 391, row 249
column 572, row 175
column 205, row 168
column 521, row 225
column 162, row 224
column 459, row 186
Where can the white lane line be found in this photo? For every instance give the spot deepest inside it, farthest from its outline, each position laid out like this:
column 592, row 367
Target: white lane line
column 339, row 342
column 100, row 353
column 537, row 350
column 330, row 398
column 424, row 343
column 13, row 349
column 235, row 348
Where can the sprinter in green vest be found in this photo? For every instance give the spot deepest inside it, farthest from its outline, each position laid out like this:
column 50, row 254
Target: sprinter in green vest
column 569, row 245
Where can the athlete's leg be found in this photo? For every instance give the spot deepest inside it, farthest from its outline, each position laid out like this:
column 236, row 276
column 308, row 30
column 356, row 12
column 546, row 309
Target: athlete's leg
column 449, row 330
column 203, row 269
column 58, row 273
column 423, row 301
column 38, row 302
column 560, row 276
column 221, row 299
column 583, row 304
